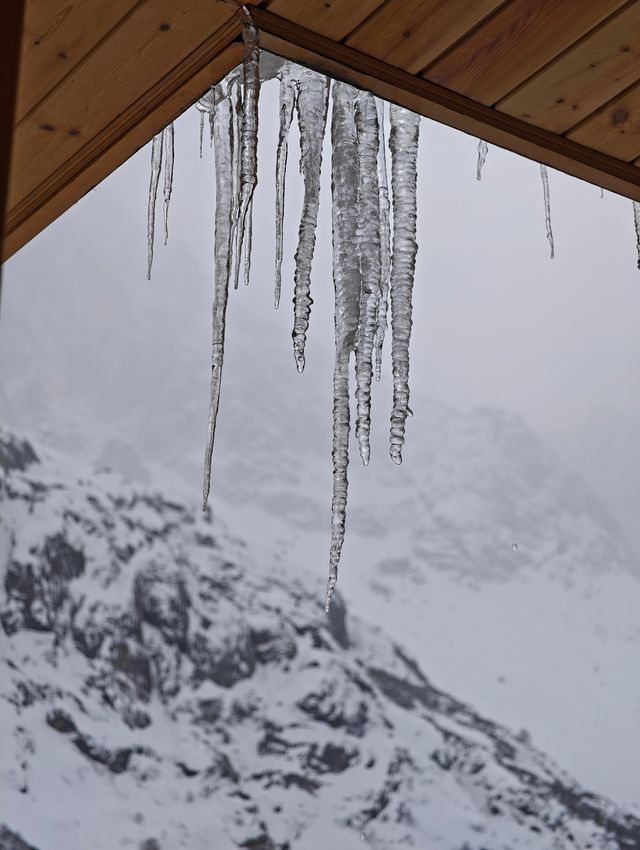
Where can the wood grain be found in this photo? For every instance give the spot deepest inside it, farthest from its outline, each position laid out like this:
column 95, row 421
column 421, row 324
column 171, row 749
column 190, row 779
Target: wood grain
column 615, row 128
column 345, row 63
column 411, row 34
column 332, row 18
column 158, row 36
column 583, row 78
column 58, row 34
column 167, row 99
column 514, row 43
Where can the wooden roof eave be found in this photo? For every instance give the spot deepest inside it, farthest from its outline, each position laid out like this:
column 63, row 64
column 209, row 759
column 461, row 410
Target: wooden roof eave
column 167, row 93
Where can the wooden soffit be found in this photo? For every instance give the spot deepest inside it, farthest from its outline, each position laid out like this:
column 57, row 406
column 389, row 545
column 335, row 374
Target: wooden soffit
column 557, row 81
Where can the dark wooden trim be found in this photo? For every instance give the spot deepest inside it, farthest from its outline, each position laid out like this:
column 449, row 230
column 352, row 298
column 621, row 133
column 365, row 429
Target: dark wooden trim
column 297, row 43
column 102, row 154
column 11, row 20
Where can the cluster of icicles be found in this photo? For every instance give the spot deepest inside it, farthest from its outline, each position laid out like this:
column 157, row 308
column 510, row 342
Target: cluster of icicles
column 374, row 236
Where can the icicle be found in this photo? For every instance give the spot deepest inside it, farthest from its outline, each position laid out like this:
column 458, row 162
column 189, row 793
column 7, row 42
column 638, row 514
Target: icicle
column 201, row 131
column 403, row 143
column 212, row 113
column 248, row 240
column 312, row 105
column 547, row 205
column 483, row 149
column 235, row 96
column 222, row 255
column 601, row 193
column 249, row 134
column 167, row 144
column 385, row 246
column 368, row 244
column 346, row 281
column 288, row 95
column 156, row 164
column 636, row 221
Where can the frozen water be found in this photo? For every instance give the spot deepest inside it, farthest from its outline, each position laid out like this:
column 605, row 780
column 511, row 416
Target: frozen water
column 403, row 143
column 483, row 149
column 547, row 206
column 288, row 96
column 368, row 242
column 346, row 281
column 312, row 105
column 156, row 164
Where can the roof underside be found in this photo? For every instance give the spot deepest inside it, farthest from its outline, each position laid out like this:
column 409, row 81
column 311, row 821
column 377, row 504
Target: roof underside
column 555, row 80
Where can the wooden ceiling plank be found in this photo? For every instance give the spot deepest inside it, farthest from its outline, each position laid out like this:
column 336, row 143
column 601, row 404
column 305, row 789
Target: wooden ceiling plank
column 583, row 78
column 157, row 36
column 615, row 128
column 343, row 62
column 106, row 151
column 410, row 34
column 332, row 18
column 522, row 37
column 57, row 36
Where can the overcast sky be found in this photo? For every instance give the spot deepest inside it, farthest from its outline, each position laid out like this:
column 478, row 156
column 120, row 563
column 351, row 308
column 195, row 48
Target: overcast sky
column 495, row 322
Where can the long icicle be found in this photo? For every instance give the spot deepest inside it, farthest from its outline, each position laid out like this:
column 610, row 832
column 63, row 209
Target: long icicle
column 167, row 143
column 483, row 149
column 368, row 245
column 385, row 243
column 222, row 261
column 312, row 105
column 346, row 282
column 547, row 206
column 636, row 221
column 235, row 96
column 248, row 242
column 403, row 142
column 288, row 95
column 156, row 164
column 249, row 134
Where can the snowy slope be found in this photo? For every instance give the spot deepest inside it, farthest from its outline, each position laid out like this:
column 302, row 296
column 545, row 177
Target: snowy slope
column 496, row 567
column 163, row 688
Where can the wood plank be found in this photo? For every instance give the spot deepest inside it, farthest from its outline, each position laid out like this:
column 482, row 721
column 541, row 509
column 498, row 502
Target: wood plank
column 58, row 34
column 614, row 129
column 332, row 18
column 155, row 38
column 514, row 43
column 583, row 78
column 411, row 34
column 10, row 34
column 181, row 87
column 343, row 62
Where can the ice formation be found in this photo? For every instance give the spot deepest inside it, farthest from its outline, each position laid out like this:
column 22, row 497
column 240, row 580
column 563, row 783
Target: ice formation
column 547, row 206
column 373, row 234
column 483, row 149
column 167, row 144
column 367, row 273
column 156, row 165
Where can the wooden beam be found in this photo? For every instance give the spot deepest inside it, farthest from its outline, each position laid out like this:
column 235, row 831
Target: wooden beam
column 338, row 60
column 132, row 129
column 10, row 32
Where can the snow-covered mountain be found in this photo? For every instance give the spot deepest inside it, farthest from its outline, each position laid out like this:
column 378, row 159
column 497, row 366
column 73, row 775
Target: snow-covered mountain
column 499, row 570
column 165, row 685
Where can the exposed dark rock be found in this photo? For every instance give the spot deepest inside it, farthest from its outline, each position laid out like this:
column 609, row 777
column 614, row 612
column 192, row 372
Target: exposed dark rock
column 331, row 758
column 338, row 620
column 15, row 454
column 60, row 721
column 116, row 760
column 224, row 662
column 161, row 600
column 10, row 840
